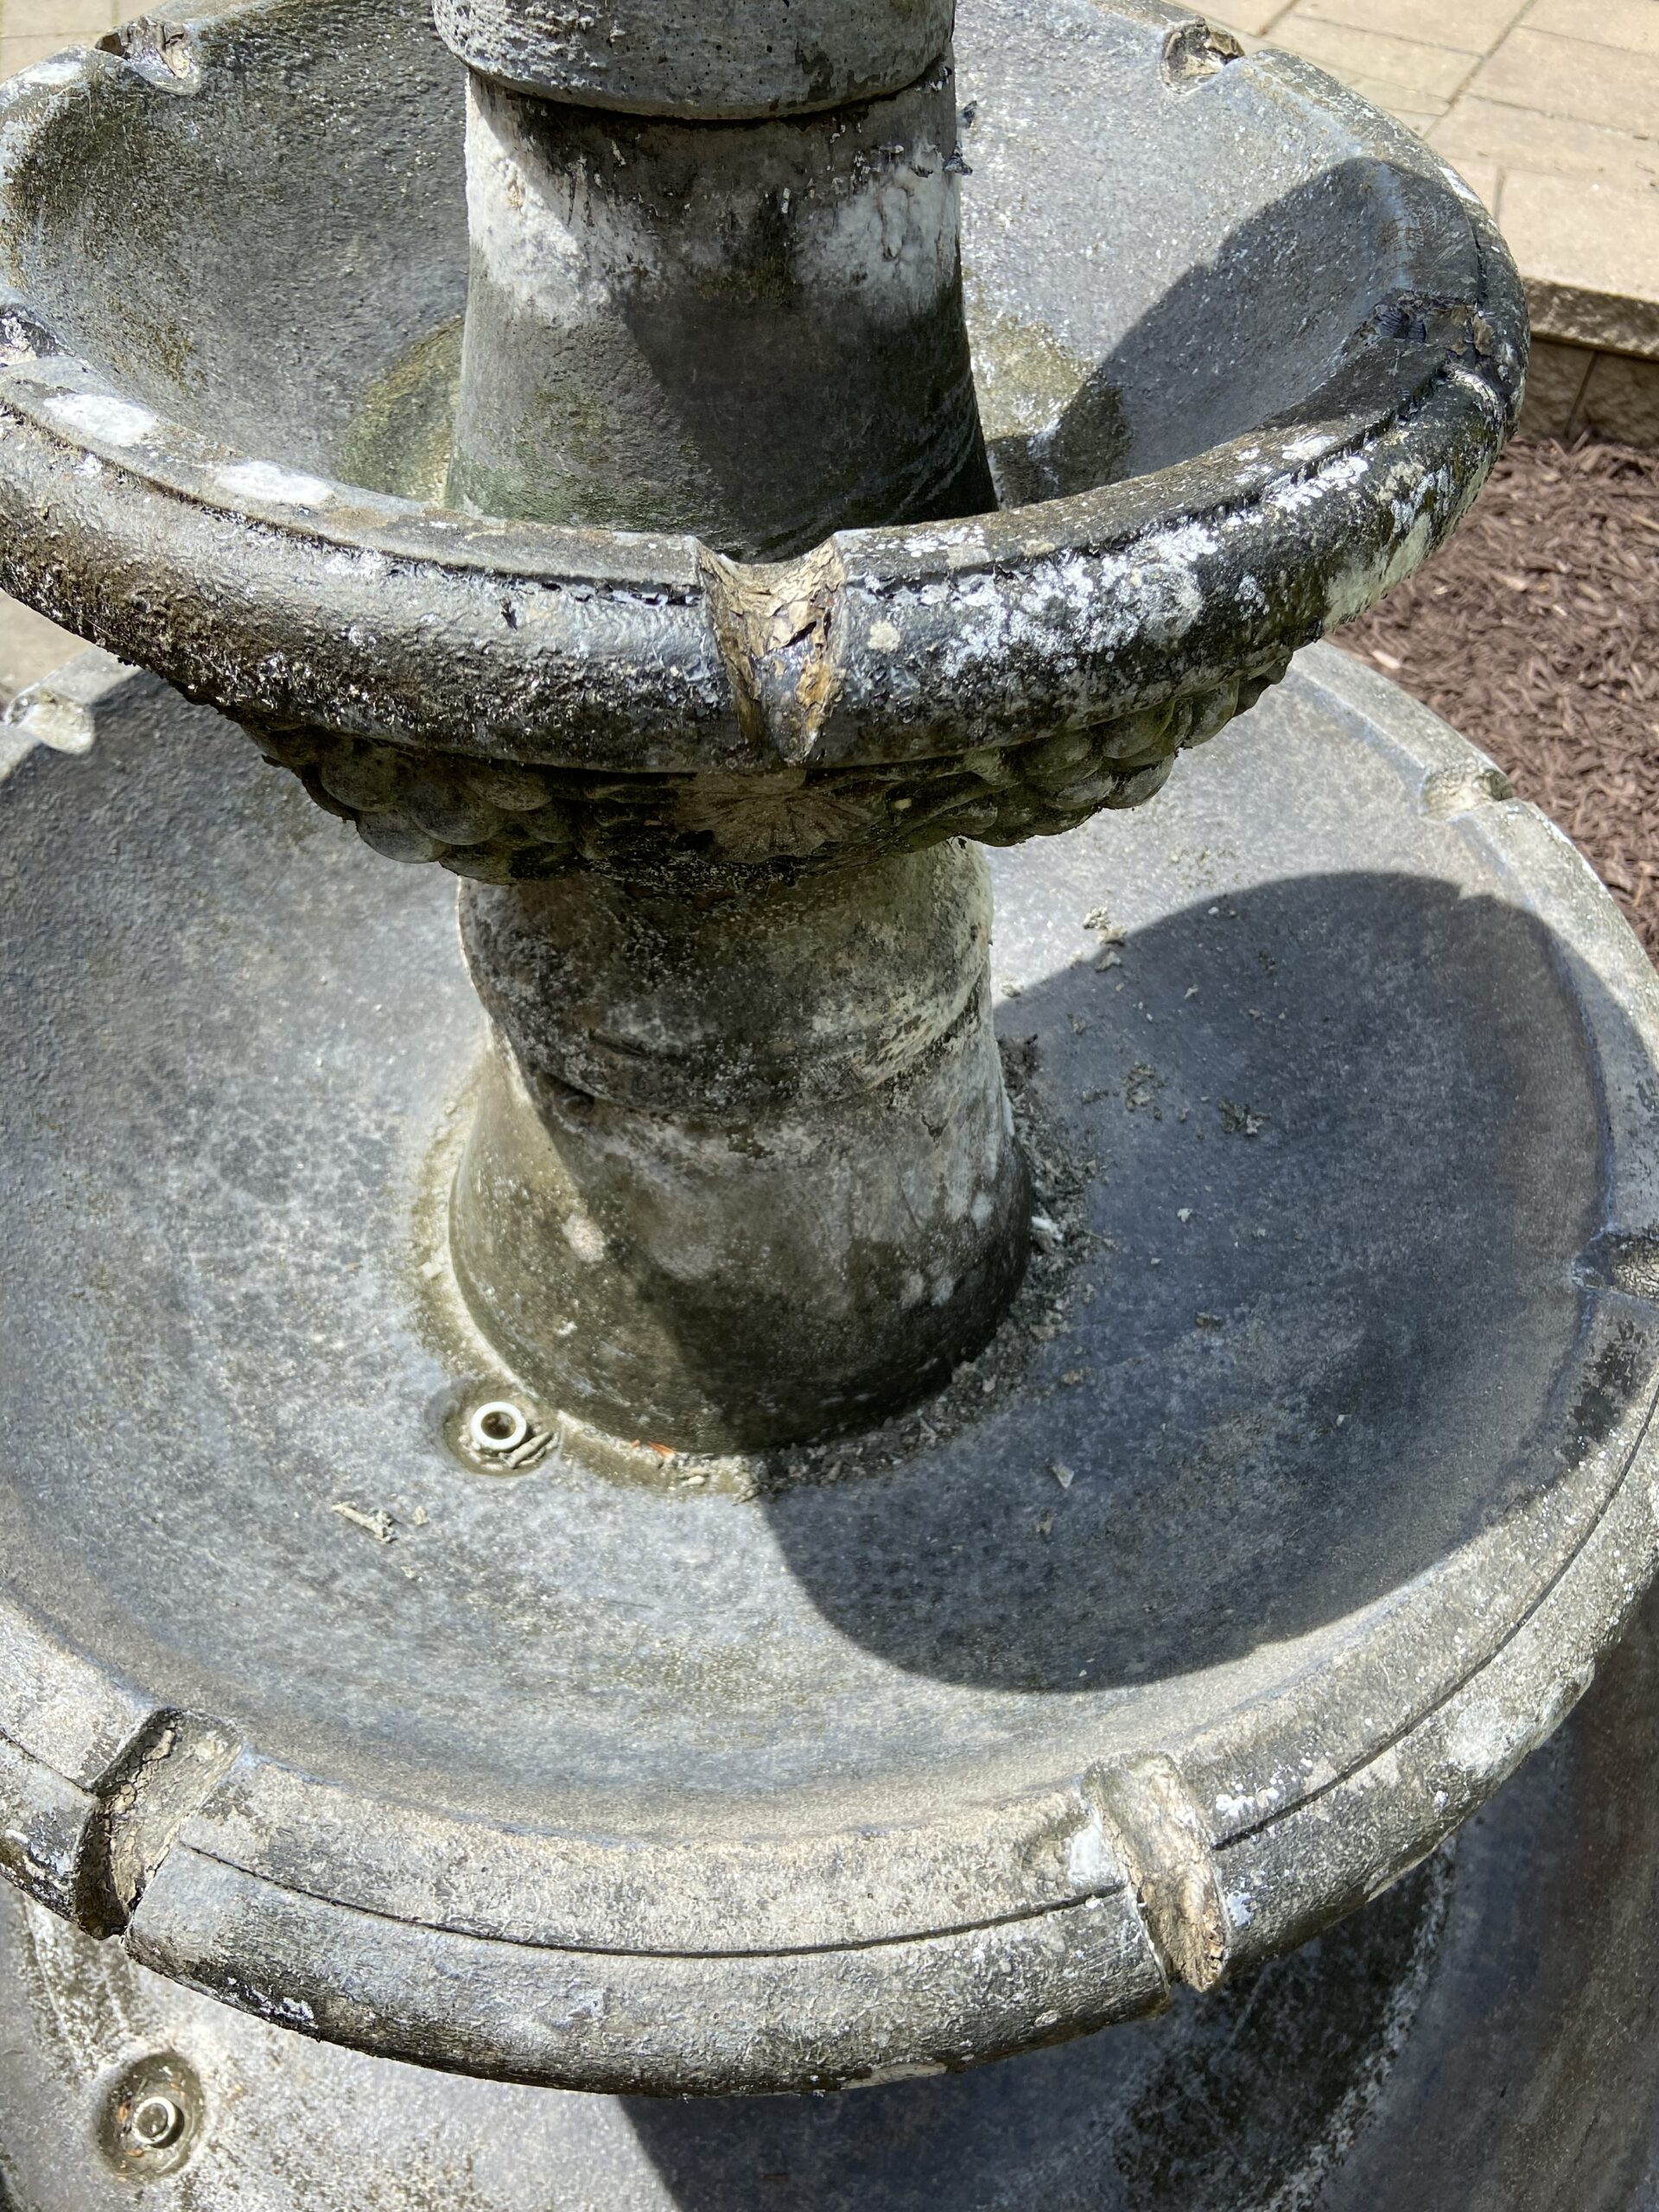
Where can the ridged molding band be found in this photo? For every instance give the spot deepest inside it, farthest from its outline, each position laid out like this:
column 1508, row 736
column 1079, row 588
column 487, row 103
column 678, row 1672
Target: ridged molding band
column 700, row 59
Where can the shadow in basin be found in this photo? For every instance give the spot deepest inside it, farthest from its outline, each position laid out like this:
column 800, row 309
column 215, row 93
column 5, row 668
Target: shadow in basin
column 1218, row 2104
column 1460, row 2042
column 1340, row 1146
column 1280, row 323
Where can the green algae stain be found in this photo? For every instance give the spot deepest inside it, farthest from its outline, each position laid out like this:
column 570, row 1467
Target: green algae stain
column 399, row 439
column 1054, row 422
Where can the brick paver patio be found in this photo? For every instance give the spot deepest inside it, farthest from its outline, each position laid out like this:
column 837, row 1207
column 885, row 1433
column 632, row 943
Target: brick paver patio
column 1550, row 108
column 30, row 30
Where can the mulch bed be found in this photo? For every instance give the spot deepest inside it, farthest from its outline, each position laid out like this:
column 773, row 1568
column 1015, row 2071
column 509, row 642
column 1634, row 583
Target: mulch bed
column 1536, row 633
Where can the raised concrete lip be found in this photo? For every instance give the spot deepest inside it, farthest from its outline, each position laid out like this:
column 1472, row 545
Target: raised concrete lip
column 717, row 62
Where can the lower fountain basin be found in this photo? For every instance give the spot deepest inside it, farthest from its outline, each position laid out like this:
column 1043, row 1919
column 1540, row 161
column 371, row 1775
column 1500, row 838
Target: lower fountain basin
column 1482, row 2039
column 1292, row 1507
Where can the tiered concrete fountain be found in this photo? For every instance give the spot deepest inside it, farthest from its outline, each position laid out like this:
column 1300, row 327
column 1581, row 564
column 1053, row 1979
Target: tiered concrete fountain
column 813, row 1497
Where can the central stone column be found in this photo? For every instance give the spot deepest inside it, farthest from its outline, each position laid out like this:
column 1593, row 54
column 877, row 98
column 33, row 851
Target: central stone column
column 744, row 1170
column 752, row 331
column 743, row 1173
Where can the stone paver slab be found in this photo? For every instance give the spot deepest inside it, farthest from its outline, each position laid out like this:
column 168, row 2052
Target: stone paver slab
column 1589, row 250
column 1520, row 138
column 1572, row 77
column 1421, row 120
column 17, row 53
column 1467, row 26
column 1632, row 25
column 1416, row 75
column 1250, row 18
column 69, row 21
column 30, row 647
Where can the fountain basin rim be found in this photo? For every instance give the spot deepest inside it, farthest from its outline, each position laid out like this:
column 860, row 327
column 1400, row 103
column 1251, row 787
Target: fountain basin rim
column 440, row 1993
column 616, row 655
column 363, row 615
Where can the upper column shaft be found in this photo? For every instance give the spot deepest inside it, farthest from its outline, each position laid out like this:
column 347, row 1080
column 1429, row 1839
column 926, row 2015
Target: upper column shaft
column 743, row 1170
column 750, row 330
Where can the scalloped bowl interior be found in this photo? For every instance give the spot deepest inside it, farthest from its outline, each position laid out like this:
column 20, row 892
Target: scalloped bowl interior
column 1157, row 261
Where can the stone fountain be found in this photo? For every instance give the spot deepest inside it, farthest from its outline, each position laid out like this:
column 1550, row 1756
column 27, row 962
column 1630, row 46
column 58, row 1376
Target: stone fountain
column 846, row 1481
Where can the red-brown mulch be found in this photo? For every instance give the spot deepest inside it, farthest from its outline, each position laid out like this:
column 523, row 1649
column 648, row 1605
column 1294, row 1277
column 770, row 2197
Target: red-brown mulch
column 1536, row 633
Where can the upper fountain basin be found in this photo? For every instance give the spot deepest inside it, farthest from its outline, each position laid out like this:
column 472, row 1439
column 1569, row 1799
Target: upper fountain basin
column 1245, row 351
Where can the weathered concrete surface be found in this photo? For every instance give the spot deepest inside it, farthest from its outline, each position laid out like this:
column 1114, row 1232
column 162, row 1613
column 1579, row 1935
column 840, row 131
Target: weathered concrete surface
column 1294, row 1504
column 756, row 327
column 754, row 331
column 743, row 1171
column 1481, row 2039
column 1337, row 392
column 661, row 1771
column 715, row 59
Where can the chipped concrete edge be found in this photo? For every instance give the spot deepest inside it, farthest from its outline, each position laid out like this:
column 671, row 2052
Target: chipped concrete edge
column 62, row 709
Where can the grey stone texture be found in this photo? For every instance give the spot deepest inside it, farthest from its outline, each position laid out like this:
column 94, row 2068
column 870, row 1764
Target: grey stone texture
column 753, row 330
column 783, row 1101
column 1304, row 1483
column 712, row 59
column 892, row 1755
column 1357, row 2076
